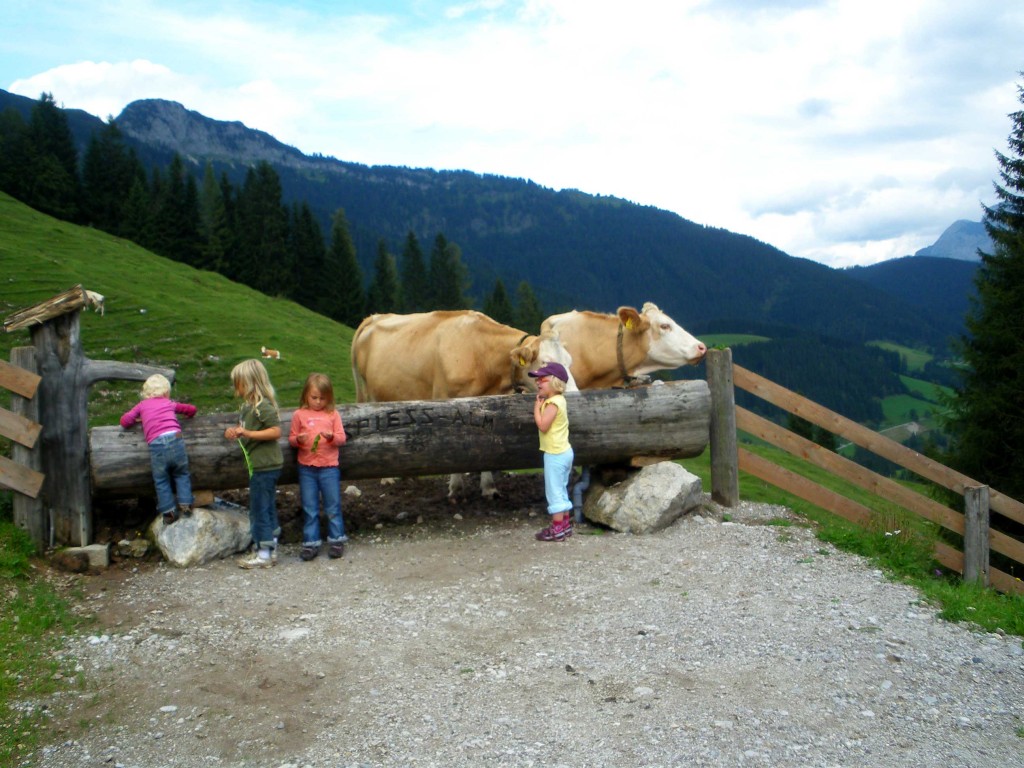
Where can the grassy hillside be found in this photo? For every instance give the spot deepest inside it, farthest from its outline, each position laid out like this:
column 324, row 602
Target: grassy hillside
column 162, row 313
column 915, row 359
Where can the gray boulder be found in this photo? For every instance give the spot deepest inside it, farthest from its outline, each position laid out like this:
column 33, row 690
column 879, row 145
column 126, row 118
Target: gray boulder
column 207, row 535
column 646, row 501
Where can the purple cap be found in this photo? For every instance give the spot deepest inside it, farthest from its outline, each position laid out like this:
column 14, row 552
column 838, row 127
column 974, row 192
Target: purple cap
column 551, row 369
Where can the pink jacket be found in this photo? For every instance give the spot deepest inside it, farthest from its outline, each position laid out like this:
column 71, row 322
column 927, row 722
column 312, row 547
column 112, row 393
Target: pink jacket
column 158, row 416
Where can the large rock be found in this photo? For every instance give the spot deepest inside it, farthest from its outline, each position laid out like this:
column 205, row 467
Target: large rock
column 207, row 535
column 646, row 501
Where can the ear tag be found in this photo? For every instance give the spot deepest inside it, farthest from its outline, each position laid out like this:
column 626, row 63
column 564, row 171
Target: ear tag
column 522, row 362
column 629, row 324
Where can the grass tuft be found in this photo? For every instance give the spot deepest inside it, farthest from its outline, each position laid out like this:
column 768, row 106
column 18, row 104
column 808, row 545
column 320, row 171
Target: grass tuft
column 33, row 622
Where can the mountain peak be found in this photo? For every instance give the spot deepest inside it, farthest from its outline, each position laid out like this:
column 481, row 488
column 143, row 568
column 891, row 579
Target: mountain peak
column 169, row 125
column 961, row 240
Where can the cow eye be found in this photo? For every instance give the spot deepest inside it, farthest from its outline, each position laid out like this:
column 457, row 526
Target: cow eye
column 666, row 326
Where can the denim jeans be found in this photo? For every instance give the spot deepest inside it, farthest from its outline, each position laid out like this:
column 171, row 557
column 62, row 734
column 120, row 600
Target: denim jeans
column 169, row 461
column 316, row 483
column 557, row 469
column 263, row 508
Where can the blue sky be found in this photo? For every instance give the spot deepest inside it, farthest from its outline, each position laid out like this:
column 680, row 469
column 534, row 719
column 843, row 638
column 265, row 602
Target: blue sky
column 844, row 131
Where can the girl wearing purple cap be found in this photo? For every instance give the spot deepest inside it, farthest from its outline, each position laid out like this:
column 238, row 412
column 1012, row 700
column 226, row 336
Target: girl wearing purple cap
column 552, row 419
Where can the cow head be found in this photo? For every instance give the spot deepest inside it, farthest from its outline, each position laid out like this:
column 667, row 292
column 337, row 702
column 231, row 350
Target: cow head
column 534, row 352
column 668, row 345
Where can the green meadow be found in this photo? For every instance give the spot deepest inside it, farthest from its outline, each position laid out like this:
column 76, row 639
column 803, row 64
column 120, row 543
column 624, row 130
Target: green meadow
column 162, row 313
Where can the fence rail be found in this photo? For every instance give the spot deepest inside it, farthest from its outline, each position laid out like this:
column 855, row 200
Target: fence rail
column 906, row 498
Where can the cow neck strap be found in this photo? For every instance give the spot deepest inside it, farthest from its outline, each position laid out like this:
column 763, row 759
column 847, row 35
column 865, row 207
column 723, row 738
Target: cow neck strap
column 620, row 357
column 512, row 373
column 627, row 379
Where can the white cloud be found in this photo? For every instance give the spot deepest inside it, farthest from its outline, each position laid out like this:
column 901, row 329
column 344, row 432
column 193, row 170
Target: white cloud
column 842, row 130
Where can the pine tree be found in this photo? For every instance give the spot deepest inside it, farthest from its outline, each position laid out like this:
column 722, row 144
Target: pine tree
column 109, row 170
column 384, row 293
column 529, row 314
column 14, row 154
column 415, row 285
column 53, row 185
column 214, row 226
column 499, row 306
column 342, row 262
column 986, row 421
column 314, row 287
column 135, row 215
column 448, row 276
column 261, row 228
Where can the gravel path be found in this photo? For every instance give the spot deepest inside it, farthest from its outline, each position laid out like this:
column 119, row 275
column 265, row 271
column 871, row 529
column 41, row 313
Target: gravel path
column 708, row 644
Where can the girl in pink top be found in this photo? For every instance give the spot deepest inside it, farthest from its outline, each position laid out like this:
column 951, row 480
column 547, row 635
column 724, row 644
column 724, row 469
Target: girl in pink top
column 167, row 455
column 317, row 433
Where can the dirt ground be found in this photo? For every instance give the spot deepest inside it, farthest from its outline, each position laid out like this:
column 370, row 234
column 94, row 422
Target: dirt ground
column 448, row 637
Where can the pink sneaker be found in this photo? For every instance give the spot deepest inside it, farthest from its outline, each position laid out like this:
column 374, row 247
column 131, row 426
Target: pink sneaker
column 556, row 531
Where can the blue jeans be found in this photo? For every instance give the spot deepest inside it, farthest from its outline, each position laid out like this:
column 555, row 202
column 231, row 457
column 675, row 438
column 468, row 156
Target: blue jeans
column 169, row 461
column 316, row 483
column 263, row 508
column 557, row 469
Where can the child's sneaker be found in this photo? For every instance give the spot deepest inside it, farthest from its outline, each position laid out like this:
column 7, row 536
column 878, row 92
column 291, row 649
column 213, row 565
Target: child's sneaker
column 309, row 553
column 255, row 561
column 336, row 550
column 555, row 531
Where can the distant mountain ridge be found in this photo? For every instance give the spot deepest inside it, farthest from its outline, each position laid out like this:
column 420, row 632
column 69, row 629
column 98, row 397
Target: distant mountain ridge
column 577, row 250
column 961, row 240
column 927, row 282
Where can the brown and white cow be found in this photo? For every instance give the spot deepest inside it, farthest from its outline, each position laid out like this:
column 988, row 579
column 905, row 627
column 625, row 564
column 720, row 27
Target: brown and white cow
column 445, row 354
column 608, row 349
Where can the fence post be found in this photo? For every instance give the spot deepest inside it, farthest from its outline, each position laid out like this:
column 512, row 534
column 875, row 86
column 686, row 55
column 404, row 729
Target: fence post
column 725, row 481
column 28, row 511
column 976, row 514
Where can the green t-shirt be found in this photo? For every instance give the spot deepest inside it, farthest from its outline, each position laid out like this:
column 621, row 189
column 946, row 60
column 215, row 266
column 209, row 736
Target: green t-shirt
column 263, row 454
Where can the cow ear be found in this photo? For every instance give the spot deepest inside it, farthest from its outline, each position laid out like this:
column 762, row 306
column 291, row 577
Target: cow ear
column 633, row 320
column 523, row 355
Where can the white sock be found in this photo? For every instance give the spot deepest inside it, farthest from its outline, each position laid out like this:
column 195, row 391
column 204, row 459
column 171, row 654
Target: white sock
column 264, row 554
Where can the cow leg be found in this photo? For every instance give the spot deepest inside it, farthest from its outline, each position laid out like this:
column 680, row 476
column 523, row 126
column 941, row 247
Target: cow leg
column 456, row 486
column 487, row 487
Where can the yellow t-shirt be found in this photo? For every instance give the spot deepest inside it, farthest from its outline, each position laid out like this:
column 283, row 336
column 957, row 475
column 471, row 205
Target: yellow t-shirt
column 556, row 439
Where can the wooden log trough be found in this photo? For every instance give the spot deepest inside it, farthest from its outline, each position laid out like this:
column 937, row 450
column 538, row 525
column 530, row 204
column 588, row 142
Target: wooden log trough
column 436, row 437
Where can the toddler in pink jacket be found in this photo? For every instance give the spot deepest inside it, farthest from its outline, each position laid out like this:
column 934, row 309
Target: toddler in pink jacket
column 167, row 456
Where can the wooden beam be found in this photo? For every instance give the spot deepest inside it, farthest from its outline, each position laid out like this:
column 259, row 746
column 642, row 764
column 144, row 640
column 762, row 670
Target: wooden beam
column 28, row 511
column 20, row 478
column 18, row 428
column 976, row 535
column 806, row 489
column 70, row 300
column 16, row 379
column 872, row 441
column 435, row 437
column 848, row 470
column 870, row 481
column 725, row 478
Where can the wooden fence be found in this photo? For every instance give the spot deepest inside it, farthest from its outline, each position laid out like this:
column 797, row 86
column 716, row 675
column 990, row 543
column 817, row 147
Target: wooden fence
column 728, row 458
column 21, row 472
